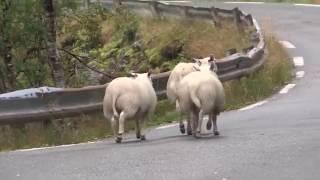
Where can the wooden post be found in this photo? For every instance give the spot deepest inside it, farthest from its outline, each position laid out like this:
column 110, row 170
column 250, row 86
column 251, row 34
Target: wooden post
column 249, row 18
column 86, row 4
column 236, row 17
column 154, row 9
column 215, row 17
column 116, row 4
column 186, row 11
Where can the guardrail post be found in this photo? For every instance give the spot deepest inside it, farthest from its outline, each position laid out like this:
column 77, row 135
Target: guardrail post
column 154, row 9
column 186, row 11
column 116, row 3
column 215, row 17
column 237, row 18
column 249, row 19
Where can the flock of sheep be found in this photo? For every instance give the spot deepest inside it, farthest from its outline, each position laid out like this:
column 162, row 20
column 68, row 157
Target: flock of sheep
column 193, row 87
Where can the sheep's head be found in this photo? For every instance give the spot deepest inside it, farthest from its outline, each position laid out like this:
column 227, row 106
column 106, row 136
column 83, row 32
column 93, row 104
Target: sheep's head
column 140, row 75
column 206, row 64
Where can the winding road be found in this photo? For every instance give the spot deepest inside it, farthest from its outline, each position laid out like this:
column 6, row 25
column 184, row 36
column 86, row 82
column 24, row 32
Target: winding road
column 277, row 139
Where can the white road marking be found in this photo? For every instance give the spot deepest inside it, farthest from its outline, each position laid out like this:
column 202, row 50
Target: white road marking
column 253, row 105
column 168, row 2
column 243, row 2
column 308, row 5
column 298, row 61
column 287, row 44
column 300, row 74
column 51, row 147
column 287, row 88
column 168, row 126
column 164, row 2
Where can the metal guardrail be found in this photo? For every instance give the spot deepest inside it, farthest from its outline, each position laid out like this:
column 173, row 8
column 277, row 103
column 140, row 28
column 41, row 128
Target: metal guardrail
column 75, row 101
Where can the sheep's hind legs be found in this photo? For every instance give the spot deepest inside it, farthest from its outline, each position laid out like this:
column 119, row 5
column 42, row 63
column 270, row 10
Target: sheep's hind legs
column 215, row 127
column 118, row 138
column 200, row 120
column 142, row 135
column 189, row 129
column 209, row 123
column 181, row 126
column 138, row 132
column 195, row 124
column 121, row 127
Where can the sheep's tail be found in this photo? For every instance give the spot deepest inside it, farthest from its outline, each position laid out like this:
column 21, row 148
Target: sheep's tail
column 115, row 112
column 195, row 99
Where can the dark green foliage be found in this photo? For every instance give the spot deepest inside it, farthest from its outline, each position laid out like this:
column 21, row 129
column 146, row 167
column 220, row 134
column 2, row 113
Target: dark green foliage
column 25, row 33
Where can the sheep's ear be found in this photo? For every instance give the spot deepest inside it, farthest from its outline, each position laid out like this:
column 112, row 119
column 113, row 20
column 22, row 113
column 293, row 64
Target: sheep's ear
column 149, row 73
column 195, row 60
column 213, row 67
column 211, row 58
column 199, row 63
column 132, row 74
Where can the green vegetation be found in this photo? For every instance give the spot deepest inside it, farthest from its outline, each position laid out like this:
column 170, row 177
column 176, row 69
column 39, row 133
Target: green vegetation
column 110, row 42
column 115, row 42
column 118, row 42
column 259, row 85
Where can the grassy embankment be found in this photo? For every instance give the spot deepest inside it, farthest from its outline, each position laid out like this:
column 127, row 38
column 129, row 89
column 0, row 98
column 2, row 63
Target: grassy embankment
column 200, row 39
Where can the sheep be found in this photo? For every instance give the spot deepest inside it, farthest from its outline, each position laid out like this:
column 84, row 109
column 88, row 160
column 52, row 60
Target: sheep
column 179, row 71
column 205, row 64
column 129, row 98
column 176, row 75
column 201, row 93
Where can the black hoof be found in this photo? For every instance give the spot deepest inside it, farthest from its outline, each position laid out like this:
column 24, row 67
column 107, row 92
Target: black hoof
column 196, row 135
column 189, row 133
column 216, row 133
column 209, row 125
column 143, row 137
column 118, row 139
column 138, row 136
column 182, row 129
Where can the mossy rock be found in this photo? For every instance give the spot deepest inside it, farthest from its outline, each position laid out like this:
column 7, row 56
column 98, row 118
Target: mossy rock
column 172, row 50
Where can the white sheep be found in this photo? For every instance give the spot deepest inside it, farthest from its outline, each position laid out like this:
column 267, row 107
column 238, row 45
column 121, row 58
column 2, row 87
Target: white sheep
column 129, row 98
column 201, row 93
column 176, row 75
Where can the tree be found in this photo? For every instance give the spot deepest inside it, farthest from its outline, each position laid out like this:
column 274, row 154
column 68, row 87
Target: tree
column 53, row 54
column 6, row 44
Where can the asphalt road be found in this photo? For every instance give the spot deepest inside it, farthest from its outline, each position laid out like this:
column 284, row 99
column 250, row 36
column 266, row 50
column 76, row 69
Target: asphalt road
column 277, row 140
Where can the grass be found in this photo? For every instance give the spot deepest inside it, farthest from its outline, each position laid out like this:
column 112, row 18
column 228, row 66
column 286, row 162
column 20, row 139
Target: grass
column 121, row 41
column 200, row 38
column 259, row 85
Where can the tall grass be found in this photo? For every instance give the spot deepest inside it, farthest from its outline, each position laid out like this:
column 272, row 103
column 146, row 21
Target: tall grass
column 200, row 38
column 275, row 73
